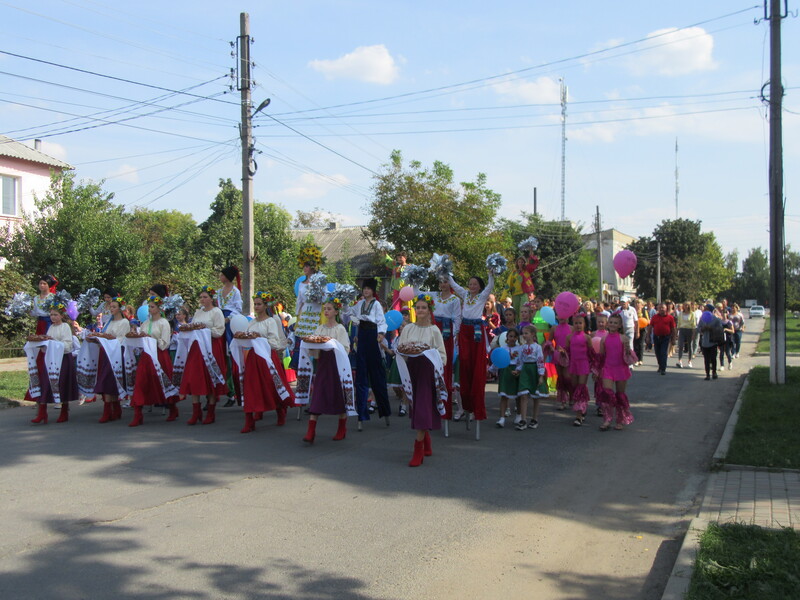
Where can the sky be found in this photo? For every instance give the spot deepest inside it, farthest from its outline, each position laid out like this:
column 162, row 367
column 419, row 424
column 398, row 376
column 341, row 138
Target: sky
column 139, row 96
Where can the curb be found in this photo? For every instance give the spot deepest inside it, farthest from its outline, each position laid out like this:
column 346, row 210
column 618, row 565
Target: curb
column 681, row 575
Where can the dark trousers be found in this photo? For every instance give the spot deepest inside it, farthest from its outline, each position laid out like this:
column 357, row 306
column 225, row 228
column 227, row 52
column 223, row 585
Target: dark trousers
column 661, row 345
column 638, row 344
column 370, row 372
column 710, row 359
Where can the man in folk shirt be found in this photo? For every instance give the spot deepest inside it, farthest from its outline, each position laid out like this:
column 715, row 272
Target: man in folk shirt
column 664, row 327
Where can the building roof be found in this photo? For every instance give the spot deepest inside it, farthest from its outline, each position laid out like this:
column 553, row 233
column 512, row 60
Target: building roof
column 339, row 243
column 14, row 149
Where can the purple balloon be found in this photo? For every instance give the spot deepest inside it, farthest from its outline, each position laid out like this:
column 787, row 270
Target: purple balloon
column 706, row 317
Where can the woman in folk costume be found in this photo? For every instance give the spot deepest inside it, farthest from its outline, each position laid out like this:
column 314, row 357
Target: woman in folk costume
column 265, row 385
column 422, row 373
column 447, row 315
column 370, row 368
column 473, row 345
column 200, row 374
column 41, row 303
column 53, row 380
column 332, row 388
column 153, row 383
column 109, row 361
column 102, row 308
column 520, row 280
column 307, row 311
column 229, row 298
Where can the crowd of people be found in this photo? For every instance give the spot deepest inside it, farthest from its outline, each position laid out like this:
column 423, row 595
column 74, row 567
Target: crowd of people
column 438, row 356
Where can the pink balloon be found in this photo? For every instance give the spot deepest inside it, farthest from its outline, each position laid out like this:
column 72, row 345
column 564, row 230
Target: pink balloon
column 406, row 293
column 624, row 263
column 567, row 304
column 596, row 344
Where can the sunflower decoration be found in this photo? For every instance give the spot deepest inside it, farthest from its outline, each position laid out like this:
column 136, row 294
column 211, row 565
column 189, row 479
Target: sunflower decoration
column 425, row 297
column 211, row 291
column 58, row 305
column 337, row 302
column 155, row 300
column 119, row 300
column 310, row 253
column 268, row 298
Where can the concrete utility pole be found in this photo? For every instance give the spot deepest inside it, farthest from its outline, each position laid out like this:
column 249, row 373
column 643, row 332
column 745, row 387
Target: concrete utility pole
column 246, row 130
column 777, row 289
column 599, row 255
column 658, row 272
column 676, row 178
column 563, row 149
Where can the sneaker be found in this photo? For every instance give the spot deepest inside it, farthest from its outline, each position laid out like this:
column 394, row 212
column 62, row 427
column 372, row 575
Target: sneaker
column 679, row 365
column 714, row 376
column 521, row 426
column 690, row 364
column 737, row 356
column 517, row 419
column 508, row 412
column 707, row 378
column 126, row 405
column 730, row 366
column 534, row 424
column 501, row 422
column 402, row 412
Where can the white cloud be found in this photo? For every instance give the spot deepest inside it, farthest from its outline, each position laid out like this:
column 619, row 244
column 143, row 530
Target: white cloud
column 373, row 64
column 543, row 90
column 310, row 186
column 675, row 52
column 55, row 150
column 127, row 173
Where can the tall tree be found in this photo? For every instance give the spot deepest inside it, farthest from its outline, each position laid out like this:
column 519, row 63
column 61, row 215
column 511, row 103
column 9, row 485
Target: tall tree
column 753, row 283
column 792, row 262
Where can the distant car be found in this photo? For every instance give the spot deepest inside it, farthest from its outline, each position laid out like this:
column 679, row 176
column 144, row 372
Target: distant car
column 756, row 311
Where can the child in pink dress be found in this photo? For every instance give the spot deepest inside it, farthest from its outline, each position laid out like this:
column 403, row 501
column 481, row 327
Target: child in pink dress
column 564, row 383
column 579, row 350
column 597, row 367
column 616, row 372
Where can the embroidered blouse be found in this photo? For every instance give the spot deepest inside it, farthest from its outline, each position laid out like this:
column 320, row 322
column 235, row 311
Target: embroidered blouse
column 158, row 329
column 473, row 305
column 428, row 334
column 213, row 319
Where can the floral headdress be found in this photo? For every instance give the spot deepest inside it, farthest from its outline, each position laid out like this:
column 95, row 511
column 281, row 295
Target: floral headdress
column 425, row 297
column 337, row 302
column 119, row 300
column 208, row 290
column 59, row 306
column 310, row 253
column 156, row 300
column 265, row 296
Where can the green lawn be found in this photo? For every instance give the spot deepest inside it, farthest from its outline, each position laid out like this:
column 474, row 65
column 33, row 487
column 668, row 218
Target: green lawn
column 766, row 434
column 792, row 335
column 737, row 561
column 13, row 385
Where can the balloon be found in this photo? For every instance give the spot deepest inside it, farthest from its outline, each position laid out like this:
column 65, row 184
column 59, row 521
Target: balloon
column 331, row 287
column 707, row 317
column 548, row 314
column 406, row 293
column 501, row 358
column 142, row 313
column 567, row 304
column 297, row 283
column 72, row 309
column 643, row 323
column 596, row 343
column 624, row 263
column 238, row 323
column 393, row 320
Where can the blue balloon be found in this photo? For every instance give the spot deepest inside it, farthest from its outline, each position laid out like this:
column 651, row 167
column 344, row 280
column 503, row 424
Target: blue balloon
column 142, row 313
column 501, row 358
column 393, row 320
column 331, row 287
column 548, row 314
column 297, row 283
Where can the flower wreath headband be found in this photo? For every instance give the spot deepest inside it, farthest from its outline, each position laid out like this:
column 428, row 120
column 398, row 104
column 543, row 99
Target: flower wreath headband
column 208, row 290
column 119, row 300
column 59, row 306
column 337, row 303
column 265, row 296
column 156, row 300
column 426, row 298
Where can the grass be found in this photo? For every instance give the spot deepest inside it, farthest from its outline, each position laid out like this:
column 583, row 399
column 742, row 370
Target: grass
column 13, row 385
column 792, row 335
column 766, row 432
column 746, row 561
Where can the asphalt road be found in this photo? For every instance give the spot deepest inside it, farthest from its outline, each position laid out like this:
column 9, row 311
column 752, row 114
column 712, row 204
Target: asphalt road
column 170, row 511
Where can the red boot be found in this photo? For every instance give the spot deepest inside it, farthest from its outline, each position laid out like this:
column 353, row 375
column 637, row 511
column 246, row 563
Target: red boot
column 138, row 417
column 341, row 432
column 106, row 413
column 41, row 415
column 311, row 433
column 419, row 451
column 427, row 444
column 116, row 410
column 211, row 414
column 281, row 412
column 173, row 412
column 64, row 416
column 249, row 423
column 258, row 416
column 197, row 414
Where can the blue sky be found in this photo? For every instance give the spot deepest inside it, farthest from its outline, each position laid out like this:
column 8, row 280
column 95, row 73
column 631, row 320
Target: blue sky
column 467, row 83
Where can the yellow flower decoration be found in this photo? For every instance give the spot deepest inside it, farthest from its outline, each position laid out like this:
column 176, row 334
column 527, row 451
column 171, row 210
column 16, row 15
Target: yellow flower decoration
column 155, row 299
column 265, row 296
column 310, row 253
column 119, row 300
column 427, row 298
column 208, row 290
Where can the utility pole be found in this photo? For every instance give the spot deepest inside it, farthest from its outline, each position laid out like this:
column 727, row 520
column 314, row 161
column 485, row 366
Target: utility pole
column 534, row 203
column 777, row 289
column 676, row 178
column 658, row 272
column 599, row 255
column 563, row 149
column 248, row 170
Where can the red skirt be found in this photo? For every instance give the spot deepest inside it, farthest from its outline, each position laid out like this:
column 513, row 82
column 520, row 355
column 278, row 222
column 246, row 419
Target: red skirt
column 196, row 379
column 260, row 391
column 147, row 389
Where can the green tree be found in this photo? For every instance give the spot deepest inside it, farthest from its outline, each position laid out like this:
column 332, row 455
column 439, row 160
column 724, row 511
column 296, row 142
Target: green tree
column 14, row 329
column 692, row 265
column 792, row 262
column 753, row 281
column 422, row 210
column 78, row 234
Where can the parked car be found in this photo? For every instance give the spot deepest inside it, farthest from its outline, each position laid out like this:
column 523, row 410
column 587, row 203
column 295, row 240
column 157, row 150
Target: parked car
column 756, row 311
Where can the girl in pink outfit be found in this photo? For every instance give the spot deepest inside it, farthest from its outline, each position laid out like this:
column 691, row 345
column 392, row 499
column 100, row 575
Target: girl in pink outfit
column 617, row 356
column 579, row 349
column 560, row 334
column 597, row 366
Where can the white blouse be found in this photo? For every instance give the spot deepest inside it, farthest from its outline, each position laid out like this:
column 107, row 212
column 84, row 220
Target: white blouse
column 213, row 319
column 373, row 315
column 62, row 333
column 448, row 309
column 268, row 328
column 231, row 301
column 473, row 305
column 39, row 309
column 159, row 329
column 429, row 335
column 118, row 328
column 337, row 332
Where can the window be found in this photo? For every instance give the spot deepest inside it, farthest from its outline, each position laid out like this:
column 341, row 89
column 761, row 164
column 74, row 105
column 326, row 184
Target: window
column 9, row 191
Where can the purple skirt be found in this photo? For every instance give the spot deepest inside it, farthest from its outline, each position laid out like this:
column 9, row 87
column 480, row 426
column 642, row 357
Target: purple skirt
column 423, row 387
column 67, row 381
column 105, row 383
column 327, row 397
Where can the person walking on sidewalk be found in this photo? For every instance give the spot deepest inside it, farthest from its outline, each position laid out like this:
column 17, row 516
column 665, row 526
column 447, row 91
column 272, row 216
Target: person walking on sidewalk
column 738, row 327
column 687, row 323
column 711, row 335
column 663, row 329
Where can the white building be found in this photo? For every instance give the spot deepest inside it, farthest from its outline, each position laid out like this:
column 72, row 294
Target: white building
column 611, row 242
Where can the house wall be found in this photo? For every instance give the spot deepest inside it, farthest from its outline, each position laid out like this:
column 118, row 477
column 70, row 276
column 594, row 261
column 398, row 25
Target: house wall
column 34, row 181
